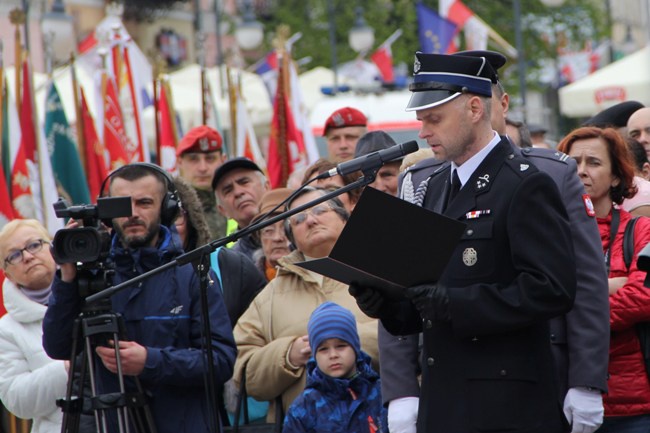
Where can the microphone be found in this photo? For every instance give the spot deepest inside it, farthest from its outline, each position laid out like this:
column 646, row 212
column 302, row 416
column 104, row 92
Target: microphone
column 372, row 160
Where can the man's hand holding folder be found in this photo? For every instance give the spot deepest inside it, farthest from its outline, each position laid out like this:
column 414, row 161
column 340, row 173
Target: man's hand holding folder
column 431, row 300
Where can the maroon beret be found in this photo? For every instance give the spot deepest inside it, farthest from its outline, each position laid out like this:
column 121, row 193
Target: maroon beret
column 200, row 139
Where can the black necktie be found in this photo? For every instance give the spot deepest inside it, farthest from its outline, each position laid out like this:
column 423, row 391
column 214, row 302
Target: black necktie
column 455, row 187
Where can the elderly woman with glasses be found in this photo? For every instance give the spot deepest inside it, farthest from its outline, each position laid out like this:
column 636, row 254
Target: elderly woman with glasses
column 30, row 382
column 271, row 335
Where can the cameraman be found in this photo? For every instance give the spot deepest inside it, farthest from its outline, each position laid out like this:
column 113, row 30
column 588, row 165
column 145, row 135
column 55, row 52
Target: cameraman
column 162, row 345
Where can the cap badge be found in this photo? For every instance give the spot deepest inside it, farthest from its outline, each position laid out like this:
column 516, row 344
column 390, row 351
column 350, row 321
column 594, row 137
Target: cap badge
column 338, row 120
column 523, row 167
column 470, row 257
column 204, row 144
column 417, row 66
column 482, row 181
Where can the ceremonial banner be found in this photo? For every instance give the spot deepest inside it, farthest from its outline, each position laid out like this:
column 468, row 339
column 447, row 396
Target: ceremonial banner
column 66, row 164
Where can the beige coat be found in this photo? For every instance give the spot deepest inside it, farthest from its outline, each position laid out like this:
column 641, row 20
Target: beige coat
column 276, row 317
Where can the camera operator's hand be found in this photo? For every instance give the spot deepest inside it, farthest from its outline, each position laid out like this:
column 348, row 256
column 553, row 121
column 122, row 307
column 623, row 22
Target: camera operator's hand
column 132, row 356
column 69, row 270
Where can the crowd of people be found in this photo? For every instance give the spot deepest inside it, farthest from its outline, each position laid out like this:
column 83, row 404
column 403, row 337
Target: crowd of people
column 533, row 326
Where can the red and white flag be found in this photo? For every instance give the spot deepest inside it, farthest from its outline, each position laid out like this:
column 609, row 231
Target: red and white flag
column 95, row 160
column 135, row 68
column 476, row 31
column 247, row 144
column 287, row 151
column 19, row 187
column 114, row 134
column 37, row 158
column 167, row 135
column 383, row 57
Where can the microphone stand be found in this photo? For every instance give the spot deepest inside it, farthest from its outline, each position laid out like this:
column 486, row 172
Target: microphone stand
column 199, row 257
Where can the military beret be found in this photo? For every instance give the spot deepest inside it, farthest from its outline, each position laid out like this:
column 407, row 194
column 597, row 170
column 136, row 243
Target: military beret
column 200, row 139
column 615, row 116
column 439, row 78
column 344, row 117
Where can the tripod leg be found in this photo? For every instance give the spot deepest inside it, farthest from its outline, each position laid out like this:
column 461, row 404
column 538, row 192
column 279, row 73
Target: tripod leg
column 122, row 413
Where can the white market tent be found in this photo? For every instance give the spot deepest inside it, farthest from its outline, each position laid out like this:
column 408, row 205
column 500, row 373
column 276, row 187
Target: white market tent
column 625, row 79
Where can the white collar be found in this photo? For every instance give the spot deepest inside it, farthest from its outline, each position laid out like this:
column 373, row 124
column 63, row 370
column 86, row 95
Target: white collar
column 465, row 171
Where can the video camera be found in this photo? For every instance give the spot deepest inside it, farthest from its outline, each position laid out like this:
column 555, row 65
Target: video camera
column 89, row 244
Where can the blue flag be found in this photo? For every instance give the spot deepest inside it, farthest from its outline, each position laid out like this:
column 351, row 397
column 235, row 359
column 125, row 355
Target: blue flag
column 436, row 33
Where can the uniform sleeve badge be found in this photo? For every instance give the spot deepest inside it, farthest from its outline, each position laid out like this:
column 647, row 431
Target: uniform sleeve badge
column 589, row 206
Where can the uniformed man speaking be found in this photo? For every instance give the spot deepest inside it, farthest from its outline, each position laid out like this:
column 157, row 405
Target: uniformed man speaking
column 487, row 364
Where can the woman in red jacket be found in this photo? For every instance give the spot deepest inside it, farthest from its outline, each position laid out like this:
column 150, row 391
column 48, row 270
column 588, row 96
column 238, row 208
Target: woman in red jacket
column 606, row 170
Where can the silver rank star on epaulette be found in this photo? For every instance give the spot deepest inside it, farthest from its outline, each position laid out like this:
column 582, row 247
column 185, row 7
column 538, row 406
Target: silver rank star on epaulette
column 482, row 181
column 562, row 156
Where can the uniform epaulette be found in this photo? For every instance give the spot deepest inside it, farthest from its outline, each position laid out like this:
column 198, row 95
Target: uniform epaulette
column 537, row 152
column 425, row 163
column 520, row 164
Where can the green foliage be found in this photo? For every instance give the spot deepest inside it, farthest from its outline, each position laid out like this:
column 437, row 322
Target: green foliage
column 579, row 20
column 311, row 17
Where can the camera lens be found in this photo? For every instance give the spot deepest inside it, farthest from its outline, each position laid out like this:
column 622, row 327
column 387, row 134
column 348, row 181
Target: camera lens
column 82, row 244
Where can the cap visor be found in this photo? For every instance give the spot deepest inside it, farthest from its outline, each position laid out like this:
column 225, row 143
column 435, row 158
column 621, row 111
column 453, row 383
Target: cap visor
column 429, row 99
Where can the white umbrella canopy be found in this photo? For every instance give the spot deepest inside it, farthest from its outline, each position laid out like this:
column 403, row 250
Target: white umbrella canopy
column 313, row 80
column 625, row 79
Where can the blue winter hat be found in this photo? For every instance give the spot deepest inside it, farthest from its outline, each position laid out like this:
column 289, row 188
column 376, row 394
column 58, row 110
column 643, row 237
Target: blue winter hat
column 330, row 320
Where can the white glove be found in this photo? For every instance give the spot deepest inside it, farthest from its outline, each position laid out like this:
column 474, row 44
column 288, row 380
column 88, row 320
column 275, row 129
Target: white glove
column 403, row 414
column 583, row 409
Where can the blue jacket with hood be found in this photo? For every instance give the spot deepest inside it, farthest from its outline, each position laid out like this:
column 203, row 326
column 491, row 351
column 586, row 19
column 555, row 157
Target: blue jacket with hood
column 331, row 405
column 162, row 314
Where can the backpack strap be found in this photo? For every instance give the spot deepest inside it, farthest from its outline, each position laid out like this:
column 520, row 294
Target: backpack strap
column 628, row 242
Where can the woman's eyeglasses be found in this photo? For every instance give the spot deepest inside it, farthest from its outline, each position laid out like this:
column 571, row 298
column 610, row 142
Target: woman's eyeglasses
column 316, row 211
column 17, row 257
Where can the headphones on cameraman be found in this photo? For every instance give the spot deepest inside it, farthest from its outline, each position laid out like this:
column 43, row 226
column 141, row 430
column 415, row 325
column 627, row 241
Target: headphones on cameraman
column 170, row 205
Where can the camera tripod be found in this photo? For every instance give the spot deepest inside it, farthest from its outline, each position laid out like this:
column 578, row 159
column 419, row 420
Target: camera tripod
column 96, row 326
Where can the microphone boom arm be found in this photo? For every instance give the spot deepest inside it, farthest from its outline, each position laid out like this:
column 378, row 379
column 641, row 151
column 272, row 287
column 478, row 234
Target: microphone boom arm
column 196, row 254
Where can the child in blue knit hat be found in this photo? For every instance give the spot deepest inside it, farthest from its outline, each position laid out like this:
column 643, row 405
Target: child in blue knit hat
column 343, row 392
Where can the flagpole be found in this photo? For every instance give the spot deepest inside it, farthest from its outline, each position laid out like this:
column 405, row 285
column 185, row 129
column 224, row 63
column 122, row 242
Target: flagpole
column 2, row 94
column 142, row 149
column 164, row 85
column 510, row 50
column 232, row 101
column 204, row 102
column 37, row 156
column 17, row 18
column 104, row 78
column 117, row 55
column 156, row 112
column 281, row 101
column 392, row 38
column 81, row 138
